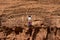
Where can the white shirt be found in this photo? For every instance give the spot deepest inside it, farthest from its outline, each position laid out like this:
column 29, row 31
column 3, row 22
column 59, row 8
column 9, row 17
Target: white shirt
column 29, row 18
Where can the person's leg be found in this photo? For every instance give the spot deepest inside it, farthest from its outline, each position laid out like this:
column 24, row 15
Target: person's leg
column 29, row 24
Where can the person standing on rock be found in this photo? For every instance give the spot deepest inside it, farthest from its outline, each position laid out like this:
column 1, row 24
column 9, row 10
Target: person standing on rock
column 29, row 21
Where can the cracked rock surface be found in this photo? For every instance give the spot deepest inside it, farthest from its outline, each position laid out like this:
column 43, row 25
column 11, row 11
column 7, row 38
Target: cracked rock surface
column 45, row 22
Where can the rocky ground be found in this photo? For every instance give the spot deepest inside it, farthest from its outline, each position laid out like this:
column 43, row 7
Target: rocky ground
column 45, row 20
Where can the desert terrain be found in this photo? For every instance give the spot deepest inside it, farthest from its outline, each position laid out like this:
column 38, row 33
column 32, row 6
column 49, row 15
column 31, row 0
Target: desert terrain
column 44, row 23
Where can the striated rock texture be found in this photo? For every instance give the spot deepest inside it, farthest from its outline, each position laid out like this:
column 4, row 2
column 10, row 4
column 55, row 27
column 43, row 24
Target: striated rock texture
column 45, row 22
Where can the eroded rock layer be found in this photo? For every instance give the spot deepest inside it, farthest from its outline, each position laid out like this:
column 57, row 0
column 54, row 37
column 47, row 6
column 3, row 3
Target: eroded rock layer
column 45, row 20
